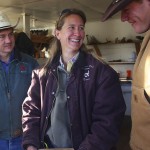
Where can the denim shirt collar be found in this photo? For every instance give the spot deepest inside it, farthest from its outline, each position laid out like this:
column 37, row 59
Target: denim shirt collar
column 6, row 65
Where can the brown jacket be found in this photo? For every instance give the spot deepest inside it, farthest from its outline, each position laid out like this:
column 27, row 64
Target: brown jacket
column 140, row 104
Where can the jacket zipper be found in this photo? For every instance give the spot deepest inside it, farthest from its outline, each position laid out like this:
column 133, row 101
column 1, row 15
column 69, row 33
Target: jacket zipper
column 7, row 85
column 68, row 77
column 46, row 122
column 9, row 98
column 71, row 124
column 8, row 94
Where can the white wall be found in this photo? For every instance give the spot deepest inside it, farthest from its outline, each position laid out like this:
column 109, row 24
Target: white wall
column 114, row 52
column 110, row 30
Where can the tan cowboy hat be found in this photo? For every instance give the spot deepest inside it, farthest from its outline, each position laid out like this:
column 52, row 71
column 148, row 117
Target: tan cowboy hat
column 114, row 7
column 5, row 23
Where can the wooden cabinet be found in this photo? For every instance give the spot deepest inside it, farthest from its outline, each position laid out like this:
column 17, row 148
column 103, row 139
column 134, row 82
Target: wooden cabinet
column 40, row 41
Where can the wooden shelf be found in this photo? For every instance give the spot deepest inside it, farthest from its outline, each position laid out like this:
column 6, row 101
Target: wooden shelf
column 125, row 80
column 40, row 41
column 123, row 62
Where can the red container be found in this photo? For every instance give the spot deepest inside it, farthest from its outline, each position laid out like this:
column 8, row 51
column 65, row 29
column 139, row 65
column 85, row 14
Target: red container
column 129, row 74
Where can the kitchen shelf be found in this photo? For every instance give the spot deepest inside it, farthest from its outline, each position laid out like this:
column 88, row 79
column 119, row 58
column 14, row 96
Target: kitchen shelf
column 123, row 62
column 125, row 80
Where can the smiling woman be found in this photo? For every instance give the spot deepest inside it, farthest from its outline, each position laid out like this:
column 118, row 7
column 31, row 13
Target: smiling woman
column 71, row 102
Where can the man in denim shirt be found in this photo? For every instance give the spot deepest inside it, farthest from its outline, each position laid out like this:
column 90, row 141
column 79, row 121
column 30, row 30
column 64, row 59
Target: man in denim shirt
column 15, row 78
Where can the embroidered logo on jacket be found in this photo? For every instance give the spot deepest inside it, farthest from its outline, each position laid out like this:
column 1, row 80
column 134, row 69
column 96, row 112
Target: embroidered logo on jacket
column 23, row 68
column 86, row 73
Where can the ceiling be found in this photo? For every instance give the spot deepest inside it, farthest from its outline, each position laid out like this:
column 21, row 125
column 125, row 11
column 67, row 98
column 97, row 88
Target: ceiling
column 44, row 13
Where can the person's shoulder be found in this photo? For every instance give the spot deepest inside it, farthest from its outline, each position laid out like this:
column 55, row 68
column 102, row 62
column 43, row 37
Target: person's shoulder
column 100, row 64
column 97, row 60
column 28, row 59
column 41, row 72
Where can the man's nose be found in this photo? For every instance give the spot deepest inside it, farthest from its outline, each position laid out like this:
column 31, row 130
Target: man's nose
column 7, row 39
column 77, row 31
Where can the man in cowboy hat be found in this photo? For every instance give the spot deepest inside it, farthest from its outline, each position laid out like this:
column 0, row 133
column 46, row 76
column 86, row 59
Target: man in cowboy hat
column 15, row 77
column 137, row 13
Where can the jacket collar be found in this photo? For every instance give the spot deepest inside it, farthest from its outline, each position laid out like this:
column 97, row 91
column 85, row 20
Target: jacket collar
column 80, row 62
column 17, row 54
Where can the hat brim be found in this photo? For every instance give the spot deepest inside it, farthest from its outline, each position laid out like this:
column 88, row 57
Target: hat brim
column 114, row 7
column 10, row 26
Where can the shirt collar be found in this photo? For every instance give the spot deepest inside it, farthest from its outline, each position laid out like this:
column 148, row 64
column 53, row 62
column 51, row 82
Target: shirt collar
column 72, row 60
column 10, row 58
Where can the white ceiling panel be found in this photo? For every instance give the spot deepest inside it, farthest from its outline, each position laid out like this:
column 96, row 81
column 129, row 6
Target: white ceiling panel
column 46, row 12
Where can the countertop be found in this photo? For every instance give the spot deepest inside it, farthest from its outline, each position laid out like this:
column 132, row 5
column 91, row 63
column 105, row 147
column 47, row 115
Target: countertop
column 125, row 80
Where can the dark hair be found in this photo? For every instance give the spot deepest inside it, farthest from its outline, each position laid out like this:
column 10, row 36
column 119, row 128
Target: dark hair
column 24, row 44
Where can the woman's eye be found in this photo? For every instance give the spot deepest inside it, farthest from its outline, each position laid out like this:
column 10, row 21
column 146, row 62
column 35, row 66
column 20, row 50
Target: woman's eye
column 71, row 27
column 81, row 28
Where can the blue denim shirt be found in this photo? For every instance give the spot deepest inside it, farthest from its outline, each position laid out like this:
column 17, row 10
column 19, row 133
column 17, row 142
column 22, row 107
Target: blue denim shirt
column 6, row 65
